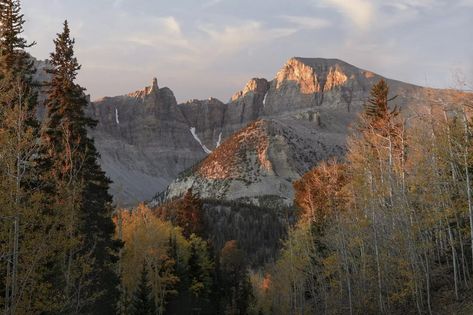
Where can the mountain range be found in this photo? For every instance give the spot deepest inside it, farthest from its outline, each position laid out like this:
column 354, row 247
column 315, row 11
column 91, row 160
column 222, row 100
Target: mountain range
column 249, row 149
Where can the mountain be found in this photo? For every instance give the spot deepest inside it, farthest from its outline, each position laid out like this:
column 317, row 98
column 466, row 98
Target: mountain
column 144, row 140
column 259, row 162
column 251, row 148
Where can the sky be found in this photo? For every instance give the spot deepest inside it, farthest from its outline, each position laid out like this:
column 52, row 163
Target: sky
column 211, row 48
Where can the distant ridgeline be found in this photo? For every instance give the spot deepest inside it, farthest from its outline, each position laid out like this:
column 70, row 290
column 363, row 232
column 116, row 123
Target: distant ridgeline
column 256, row 145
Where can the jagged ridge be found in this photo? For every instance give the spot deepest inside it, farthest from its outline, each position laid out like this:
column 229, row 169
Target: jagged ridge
column 155, row 138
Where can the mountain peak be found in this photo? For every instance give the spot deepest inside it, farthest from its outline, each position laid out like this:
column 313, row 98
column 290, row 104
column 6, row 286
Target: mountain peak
column 316, row 74
column 153, row 88
column 154, row 85
column 255, row 85
column 321, row 61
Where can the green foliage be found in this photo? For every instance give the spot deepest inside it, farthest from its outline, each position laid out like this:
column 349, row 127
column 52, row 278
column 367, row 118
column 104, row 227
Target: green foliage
column 237, row 290
column 258, row 229
column 142, row 300
column 77, row 178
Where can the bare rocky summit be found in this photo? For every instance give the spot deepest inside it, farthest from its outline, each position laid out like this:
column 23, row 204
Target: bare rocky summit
column 259, row 162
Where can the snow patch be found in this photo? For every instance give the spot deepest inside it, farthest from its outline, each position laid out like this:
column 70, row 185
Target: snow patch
column 219, row 142
column 116, row 116
column 206, row 150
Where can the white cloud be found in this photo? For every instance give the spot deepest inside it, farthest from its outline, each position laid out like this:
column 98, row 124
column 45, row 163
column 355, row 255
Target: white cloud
column 305, row 22
column 163, row 31
column 234, row 38
column 171, row 24
column 211, row 3
column 204, row 44
column 404, row 5
column 466, row 3
column 117, row 3
column 360, row 12
column 364, row 13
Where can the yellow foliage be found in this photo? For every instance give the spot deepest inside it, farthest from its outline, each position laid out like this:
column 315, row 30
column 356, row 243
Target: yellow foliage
column 146, row 240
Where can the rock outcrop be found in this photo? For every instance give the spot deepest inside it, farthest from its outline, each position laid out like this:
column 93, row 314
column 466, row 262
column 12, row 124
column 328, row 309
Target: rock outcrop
column 259, row 161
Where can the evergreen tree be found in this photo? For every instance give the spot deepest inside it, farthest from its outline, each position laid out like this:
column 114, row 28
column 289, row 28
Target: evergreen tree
column 377, row 115
column 142, row 301
column 79, row 179
column 11, row 43
column 195, row 272
column 235, row 280
column 377, row 106
column 16, row 65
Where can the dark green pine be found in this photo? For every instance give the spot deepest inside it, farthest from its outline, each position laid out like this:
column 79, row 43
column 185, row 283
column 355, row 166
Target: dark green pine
column 66, row 106
column 142, row 301
column 16, row 65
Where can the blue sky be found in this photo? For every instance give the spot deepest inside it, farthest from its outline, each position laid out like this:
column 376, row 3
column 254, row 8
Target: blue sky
column 203, row 48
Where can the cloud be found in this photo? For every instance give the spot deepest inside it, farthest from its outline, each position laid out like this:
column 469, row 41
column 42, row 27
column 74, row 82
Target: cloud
column 203, row 44
column 405, row 5
column 234, row 38
column 360, row 12
column 117, row 3
column 163, row 31
column 466, row 3
column 212, row 3
column 305, row 22
column 171, row 24
column 365, row 13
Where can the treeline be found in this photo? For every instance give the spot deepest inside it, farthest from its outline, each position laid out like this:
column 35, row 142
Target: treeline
column 57, row 249
column 168, row 266
column 258, row 229
column 389, row 230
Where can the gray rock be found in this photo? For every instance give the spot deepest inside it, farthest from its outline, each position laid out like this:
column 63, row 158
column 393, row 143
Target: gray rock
column 144, row 141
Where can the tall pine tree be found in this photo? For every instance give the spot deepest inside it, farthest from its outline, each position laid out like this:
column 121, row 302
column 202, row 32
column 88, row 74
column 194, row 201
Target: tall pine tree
column 142, row 301
column 16, row 65
column 91, row 283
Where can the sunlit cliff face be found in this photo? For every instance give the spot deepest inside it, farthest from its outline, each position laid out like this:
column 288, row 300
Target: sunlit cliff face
column 146, row 91
column 251, row 144
column 308, row 79
column 254, row 85
column 335, row 78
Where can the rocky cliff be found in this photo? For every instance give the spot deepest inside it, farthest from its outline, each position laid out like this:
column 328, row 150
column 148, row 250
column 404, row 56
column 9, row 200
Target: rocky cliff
column 144, row 140
column 265, row 137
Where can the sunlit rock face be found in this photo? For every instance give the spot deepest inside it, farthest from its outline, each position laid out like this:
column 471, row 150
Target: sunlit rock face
column 259, row 161
column 255, row 86
column 308, row 83
column 146, row 139
column 246, row 105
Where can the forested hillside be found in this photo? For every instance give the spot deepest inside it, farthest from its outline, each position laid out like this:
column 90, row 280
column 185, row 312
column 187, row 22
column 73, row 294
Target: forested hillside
column 383, row 225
